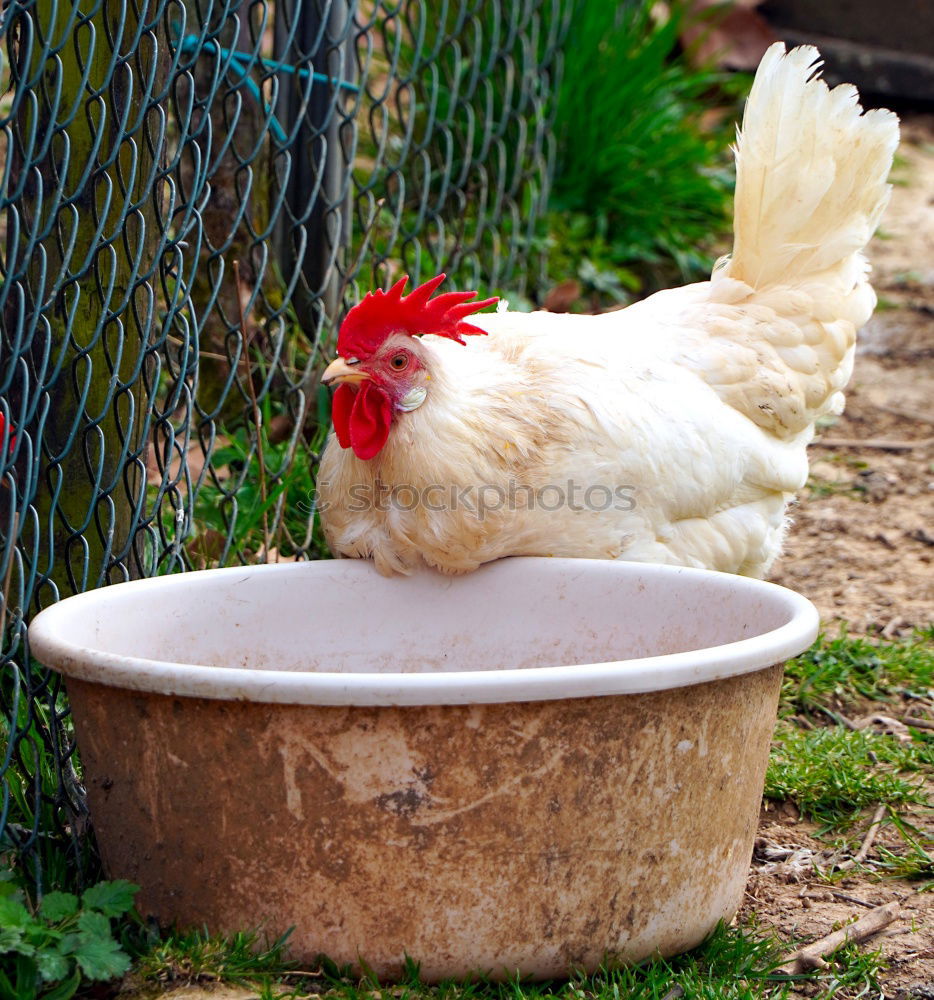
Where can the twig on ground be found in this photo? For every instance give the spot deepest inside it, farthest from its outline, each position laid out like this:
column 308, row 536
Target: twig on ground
column 812, row 956
column 675, row 993
column 892, row 726
column 878, row 444
column 877, row 718
column 917, row 723
column 852, row 899
column 893, row 626
column 914, row 415
column 838, row 718
column 860, row 856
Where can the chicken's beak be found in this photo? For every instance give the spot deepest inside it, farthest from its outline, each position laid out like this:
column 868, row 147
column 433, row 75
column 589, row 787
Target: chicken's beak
column 339, row 371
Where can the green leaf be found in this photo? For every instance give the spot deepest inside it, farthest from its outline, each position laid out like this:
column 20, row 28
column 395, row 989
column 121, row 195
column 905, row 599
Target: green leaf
column 101, row 958
column 6, row 987
column 98, row 955
column 69, row 944
column 13, row 913
column 57, row 906
column 52, row 965
column 9, row 887
column 27, row 978
column 11, row 939
column 113, row 899
column 94, row 924
column 65, row 990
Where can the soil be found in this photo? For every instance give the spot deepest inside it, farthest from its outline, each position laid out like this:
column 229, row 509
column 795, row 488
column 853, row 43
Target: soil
column 785, row 895
column 861, row 548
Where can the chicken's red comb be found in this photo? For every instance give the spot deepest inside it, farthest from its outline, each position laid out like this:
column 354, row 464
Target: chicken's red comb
column 381, row 314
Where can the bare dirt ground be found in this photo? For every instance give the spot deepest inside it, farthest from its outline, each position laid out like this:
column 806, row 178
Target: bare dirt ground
column 786, row 895
column 862, row 548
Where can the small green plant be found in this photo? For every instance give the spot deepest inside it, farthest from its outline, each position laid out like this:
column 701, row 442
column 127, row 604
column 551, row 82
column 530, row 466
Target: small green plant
column 42, row 808
column 46, row 950
column 832, row 774
column 579, row 248
column 817, row 488
column 854, row 972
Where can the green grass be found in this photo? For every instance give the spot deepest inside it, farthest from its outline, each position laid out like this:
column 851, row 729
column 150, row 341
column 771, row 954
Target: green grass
column 643, row 179
column 913, row 859
column 193, row 957
column 833, row 774
column 845, row 670
column 735, row 963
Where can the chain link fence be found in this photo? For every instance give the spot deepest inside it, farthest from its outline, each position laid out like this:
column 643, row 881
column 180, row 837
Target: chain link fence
column 193, row 194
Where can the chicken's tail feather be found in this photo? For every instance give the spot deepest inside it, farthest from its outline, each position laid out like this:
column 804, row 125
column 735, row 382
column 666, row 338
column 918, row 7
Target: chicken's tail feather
column 811, row 170
column 811, row 184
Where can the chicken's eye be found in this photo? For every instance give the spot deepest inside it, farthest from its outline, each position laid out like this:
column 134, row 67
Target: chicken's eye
column 399, row 361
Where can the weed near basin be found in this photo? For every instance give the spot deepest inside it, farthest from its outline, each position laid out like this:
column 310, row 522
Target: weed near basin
column 196, row 957
column 47, row 950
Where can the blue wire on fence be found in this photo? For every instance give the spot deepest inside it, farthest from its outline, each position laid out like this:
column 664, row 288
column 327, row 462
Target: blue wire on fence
column 194, row 45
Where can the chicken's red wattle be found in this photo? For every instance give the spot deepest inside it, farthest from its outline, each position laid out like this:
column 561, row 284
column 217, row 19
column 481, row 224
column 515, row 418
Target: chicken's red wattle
column 362, row 418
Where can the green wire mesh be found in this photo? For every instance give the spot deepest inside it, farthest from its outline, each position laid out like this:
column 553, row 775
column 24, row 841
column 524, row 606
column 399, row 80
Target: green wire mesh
column 193, row 194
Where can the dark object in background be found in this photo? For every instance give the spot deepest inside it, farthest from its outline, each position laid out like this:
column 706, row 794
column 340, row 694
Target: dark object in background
column 886, row 49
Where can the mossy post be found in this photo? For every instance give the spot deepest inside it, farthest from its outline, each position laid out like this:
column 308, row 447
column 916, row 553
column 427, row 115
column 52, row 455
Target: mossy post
column 317, row 186
column 230, row 130
column 96, row 74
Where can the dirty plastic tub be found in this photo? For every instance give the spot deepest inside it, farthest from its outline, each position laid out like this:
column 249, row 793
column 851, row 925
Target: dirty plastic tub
column 532, row 769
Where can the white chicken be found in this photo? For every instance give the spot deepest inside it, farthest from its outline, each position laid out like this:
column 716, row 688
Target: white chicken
column 673, row 431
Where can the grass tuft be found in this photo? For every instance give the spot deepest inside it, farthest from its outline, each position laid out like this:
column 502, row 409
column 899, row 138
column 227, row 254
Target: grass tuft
column 847, row 669
column 854, row 973
column 735, row 963
column 913, row 859
column 196, row 957
column 833, row 774
column 643, row 176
